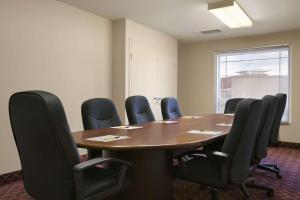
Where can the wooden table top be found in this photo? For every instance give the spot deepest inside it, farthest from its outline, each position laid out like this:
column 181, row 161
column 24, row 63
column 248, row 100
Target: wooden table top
column 158, row 135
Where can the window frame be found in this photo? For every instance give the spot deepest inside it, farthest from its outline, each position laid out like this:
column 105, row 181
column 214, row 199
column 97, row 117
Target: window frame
column 216, row 73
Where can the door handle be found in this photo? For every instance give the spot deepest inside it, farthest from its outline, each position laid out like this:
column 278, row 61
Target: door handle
column 157, row 100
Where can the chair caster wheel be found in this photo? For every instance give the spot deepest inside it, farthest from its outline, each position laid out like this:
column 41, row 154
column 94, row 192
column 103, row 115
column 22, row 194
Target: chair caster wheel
column 270, row 193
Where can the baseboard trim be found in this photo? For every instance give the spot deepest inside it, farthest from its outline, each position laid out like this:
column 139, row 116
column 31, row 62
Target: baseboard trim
column 10, row 177
column 291, row 145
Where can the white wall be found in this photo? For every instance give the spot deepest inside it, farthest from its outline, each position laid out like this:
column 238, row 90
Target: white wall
column 49, row 45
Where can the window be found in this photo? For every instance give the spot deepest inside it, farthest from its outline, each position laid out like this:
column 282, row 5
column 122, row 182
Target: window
column 253, row 73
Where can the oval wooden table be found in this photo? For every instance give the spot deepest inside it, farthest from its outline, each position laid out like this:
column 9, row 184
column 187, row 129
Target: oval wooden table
column 150, row 150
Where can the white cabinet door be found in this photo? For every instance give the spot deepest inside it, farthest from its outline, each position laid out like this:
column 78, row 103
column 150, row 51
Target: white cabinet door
column 167, row 73
column 152, row 73
column 143, row 78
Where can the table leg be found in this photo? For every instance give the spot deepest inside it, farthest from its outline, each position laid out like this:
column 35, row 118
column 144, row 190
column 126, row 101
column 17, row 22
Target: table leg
column 150, row 176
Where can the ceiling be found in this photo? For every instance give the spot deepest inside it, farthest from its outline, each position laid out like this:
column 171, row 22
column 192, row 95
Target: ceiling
column 183, row 19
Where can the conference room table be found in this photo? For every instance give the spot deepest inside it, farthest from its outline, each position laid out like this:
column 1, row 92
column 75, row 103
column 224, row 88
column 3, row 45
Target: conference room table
column 150, row 149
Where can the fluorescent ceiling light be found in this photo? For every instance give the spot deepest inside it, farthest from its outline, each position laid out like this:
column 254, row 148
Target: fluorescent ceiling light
column 230, row 13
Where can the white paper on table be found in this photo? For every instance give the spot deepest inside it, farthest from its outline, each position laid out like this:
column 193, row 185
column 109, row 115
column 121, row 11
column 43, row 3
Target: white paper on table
column 229, row 114
column 224, row 124
column 205, row 132
column 107, row 138
column 126, row 127
column 165, row 122
column 191, row 117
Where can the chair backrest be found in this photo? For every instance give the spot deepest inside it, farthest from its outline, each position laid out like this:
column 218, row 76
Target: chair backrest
column 99, row 113
column 170, row 108
column 240, row 140
column 138, row 110
column 269, row 109
column 45, row 145
column 231, row 105
column 277, row 121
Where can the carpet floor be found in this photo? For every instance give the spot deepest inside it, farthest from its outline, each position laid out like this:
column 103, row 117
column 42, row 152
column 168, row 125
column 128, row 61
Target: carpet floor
column 287, row 188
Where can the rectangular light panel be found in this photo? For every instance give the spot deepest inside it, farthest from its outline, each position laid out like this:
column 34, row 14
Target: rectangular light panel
column 230, row 13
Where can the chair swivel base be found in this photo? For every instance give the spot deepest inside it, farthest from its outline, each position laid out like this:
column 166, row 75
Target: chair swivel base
column 250, row 184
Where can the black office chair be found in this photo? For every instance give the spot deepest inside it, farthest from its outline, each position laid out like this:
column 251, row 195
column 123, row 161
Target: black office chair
column 231, row 105
column 99, row 113
column 277, row 121
column 170, row 108
column 231, row 166
column 49, row 157
column 269, row 107
column 138, row 110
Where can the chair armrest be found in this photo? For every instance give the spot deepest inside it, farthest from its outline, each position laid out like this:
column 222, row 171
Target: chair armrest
column 218, row 155
column 96, row 161
column 79, row 175
column 190, row 153
column 214, row 155
column 220, row 158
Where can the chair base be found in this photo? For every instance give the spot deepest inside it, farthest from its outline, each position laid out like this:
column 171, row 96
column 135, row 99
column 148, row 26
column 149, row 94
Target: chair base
column 244, row 189
column 270, row 191
column 271, row 168
column 214, row 194
column 250, row 183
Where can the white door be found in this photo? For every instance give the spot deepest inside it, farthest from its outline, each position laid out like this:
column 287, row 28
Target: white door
column 143, row 79
column 167, row 73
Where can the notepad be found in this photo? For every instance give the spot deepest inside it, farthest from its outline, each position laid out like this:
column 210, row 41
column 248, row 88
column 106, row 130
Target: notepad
column 127, row 127
column 107, row 138
column 191, row 117
column 165, row 122
column 224, row 124
column 204, row 132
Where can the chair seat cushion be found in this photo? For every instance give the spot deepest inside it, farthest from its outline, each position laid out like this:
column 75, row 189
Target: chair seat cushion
column 97, row 179
column 202, row 170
